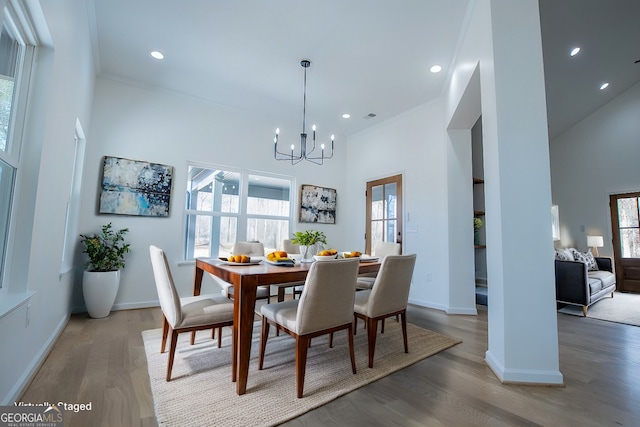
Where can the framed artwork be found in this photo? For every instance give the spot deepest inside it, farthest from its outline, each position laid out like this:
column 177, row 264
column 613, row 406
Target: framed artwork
column 317, row 204
column 133, row 187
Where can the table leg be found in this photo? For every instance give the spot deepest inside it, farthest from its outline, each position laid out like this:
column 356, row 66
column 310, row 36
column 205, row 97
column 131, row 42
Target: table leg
column 197, row 282
column 244, row 306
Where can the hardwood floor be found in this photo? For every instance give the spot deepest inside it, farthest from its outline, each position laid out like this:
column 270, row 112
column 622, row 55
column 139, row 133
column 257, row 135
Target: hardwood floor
column 102, row 361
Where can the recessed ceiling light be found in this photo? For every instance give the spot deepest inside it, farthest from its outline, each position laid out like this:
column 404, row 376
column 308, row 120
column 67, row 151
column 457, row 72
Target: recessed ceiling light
column 346, row 115
column 604, row 85
column 574, row 51
column 435, row 69
column 157, row 55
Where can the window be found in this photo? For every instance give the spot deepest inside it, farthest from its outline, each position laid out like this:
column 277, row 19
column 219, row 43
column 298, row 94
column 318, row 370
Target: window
column 629, row 226
column 12, row 57
column 225, row 206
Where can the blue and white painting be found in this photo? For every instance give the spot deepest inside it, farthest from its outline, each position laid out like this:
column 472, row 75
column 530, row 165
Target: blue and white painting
column 317, row 204
column 132, row 187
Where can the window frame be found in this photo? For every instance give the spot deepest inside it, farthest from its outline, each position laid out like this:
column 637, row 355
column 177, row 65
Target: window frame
column 242, row 216
column 25, row 64
column 18, row 19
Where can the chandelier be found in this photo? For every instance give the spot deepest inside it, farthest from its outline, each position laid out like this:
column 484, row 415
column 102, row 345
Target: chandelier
column 304, row 152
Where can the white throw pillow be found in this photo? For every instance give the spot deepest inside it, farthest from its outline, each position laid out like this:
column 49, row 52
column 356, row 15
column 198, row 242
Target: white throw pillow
column 564, row 255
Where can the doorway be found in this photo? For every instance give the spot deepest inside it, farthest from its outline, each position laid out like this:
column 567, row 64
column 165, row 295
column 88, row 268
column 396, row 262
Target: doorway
column 384, row 211
column 625, row 224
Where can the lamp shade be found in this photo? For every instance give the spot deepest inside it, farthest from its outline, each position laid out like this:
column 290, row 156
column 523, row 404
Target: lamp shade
column 595, row 241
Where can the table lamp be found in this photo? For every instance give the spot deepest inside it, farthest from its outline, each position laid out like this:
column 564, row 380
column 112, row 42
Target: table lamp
column 595, row 242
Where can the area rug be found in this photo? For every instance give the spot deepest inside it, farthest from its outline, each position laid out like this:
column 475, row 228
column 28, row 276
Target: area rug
column 201, row 391
column 622, row 308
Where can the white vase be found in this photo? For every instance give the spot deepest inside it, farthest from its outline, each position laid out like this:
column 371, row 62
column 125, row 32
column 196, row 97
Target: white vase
column 308, row 252
column 100, row 289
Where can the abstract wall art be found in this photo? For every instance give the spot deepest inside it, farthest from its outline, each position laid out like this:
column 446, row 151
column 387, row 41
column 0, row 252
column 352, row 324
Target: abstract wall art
column 317, row 204
column 132, row 187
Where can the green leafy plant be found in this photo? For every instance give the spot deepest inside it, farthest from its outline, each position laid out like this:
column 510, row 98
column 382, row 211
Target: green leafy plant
column 105, row 250
column 477, row 223
column 309, row 237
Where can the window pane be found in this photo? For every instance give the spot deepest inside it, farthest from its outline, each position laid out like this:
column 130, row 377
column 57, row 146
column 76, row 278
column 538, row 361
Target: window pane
column 213, row 190
column 377, row 232
column 390, row 231
column 210, row 236
column 7, row 174
column 268, row 196
column 628, row 212
column 9, row 50
column 630, row 242
column 390, row 195
column 271, row 232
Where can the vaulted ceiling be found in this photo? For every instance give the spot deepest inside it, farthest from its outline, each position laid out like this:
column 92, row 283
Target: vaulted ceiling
column 368, row 56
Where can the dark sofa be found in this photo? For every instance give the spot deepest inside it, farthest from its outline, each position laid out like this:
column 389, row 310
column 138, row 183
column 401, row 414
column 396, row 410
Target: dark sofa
column 576, row 285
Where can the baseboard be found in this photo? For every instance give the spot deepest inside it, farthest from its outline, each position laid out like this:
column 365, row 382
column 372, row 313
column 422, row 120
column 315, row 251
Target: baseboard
column 32, row 369
column 447, row 309
column 523, row 376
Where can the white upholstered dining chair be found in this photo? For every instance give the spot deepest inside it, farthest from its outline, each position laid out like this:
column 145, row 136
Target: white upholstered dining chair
column 388, row 297
column 381, row 250
column 252, row 249
column 188, row 314
column 325, row 306
column 289, row 248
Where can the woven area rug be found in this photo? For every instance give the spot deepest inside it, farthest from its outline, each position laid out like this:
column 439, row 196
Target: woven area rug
column 201, row 391
column 622, row 308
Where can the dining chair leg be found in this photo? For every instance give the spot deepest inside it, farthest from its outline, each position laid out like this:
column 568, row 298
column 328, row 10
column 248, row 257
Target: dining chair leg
column 403, row 320
column 213, row 333
column 372, row 329
column 219, row 336
column 355, row 324
column 302, row 344
column 165, row 331
column 263, row 341
column 193, row 337
column 331, row 340
column 172, row 352
column 352, row 353
column 382, row 327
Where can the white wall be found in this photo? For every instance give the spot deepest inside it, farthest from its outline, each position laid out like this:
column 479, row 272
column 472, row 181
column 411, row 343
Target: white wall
column 593, row 159
column 165, row 127
column 64, row 93
column 411, row 144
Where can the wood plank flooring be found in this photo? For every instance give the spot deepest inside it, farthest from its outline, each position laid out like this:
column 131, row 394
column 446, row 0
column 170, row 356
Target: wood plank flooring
column 102, row 361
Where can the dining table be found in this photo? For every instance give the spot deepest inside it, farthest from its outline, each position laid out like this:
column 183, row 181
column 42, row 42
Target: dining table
column 245, row 280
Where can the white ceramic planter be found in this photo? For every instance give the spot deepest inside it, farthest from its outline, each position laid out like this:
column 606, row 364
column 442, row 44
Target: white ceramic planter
column 100, row 289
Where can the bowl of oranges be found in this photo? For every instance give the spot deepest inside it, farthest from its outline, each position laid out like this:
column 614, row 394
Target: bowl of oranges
column 325, row 255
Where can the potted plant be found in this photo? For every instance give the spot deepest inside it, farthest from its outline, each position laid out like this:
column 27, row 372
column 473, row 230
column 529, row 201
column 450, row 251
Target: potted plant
column 309, row 241
column 477, row 224
column 101, row 279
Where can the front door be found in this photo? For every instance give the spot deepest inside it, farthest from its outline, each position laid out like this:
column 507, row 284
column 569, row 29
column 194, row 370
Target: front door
column 384, row 211
column 625, row 224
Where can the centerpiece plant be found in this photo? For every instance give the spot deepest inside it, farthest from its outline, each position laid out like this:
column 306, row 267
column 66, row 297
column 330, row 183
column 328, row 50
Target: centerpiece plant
column 309, row 241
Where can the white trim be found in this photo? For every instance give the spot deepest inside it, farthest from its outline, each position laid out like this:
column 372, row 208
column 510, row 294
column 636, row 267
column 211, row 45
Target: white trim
column 523, row 376
column 32, row 369
column 11, row 301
